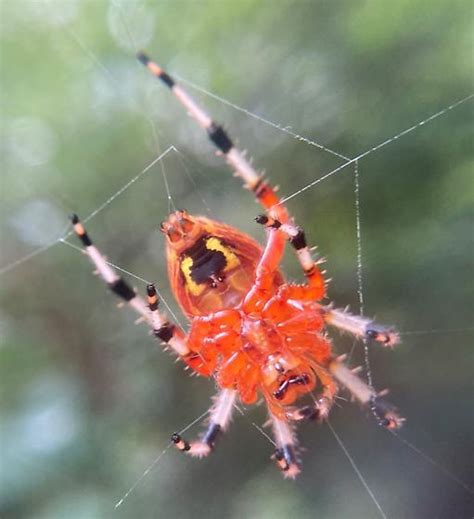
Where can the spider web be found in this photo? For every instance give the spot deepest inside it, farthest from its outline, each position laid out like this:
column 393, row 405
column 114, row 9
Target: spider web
column 347, row 166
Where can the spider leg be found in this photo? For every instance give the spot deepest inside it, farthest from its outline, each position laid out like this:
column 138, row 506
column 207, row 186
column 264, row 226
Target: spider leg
column 164, row 329
column 360, row 327
column 261, row 290
column 285, row 453
column 253, row 180
column 220, row 415
column 316, row 287
column 161, row 327
column 385, row 412
column 356, row 325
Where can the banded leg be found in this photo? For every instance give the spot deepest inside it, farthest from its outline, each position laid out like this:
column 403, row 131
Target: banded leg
column 220, row 415
column 356, row 325
column 316, row 288
column 385, row 412
column 285, row 452
column 361, row 327
column 162, row 329
column 253, row 180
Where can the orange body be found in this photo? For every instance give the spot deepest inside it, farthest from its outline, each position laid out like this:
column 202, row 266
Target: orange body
column 211, row 265
column 271, row 344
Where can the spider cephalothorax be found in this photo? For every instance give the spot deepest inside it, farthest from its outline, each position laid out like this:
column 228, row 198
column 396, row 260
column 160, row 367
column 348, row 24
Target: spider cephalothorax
column 256, row 334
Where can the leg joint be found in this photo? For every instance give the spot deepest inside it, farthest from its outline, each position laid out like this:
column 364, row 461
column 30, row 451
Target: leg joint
column 165, row 332
column 219, row 137
column 213, row 432
column 180, row 444
column 298, row 240
column 122, row 289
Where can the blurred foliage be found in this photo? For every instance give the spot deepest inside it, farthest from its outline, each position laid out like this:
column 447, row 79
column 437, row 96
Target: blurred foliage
column 88, row 400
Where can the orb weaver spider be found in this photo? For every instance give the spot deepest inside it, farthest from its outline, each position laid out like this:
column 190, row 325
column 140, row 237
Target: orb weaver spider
column 253, row 332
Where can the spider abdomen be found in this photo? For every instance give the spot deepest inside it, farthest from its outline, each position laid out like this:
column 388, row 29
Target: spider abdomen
column 211, row 265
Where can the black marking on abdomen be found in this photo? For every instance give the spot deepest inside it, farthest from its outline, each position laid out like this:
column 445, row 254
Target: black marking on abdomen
column 207, row 263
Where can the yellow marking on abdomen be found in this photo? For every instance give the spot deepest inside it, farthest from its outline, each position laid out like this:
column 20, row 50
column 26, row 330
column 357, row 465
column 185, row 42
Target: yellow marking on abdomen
column 212, row 244
column 194, row 288
column 232, row 260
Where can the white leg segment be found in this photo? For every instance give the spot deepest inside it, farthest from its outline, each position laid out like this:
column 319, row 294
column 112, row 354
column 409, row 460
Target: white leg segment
column 361, row 327
column 385, row 412
column 220, row 415
column 149, row 312
column 194, row 110
column 285, row 453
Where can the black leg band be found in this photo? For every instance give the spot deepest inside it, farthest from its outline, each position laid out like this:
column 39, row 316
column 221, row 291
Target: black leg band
column 122, row 289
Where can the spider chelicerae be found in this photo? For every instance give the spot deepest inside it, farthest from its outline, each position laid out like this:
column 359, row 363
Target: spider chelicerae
column 254, row 333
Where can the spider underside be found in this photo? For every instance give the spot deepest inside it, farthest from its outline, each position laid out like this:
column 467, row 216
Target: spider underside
column 254, row 333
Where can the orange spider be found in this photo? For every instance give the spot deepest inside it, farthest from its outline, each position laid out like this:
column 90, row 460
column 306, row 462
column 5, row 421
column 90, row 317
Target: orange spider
column 250, row 330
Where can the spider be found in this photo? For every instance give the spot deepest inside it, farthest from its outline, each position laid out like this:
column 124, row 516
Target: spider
column 256, row 334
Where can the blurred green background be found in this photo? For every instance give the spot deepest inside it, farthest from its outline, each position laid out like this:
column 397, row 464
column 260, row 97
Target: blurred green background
column 88, row 399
